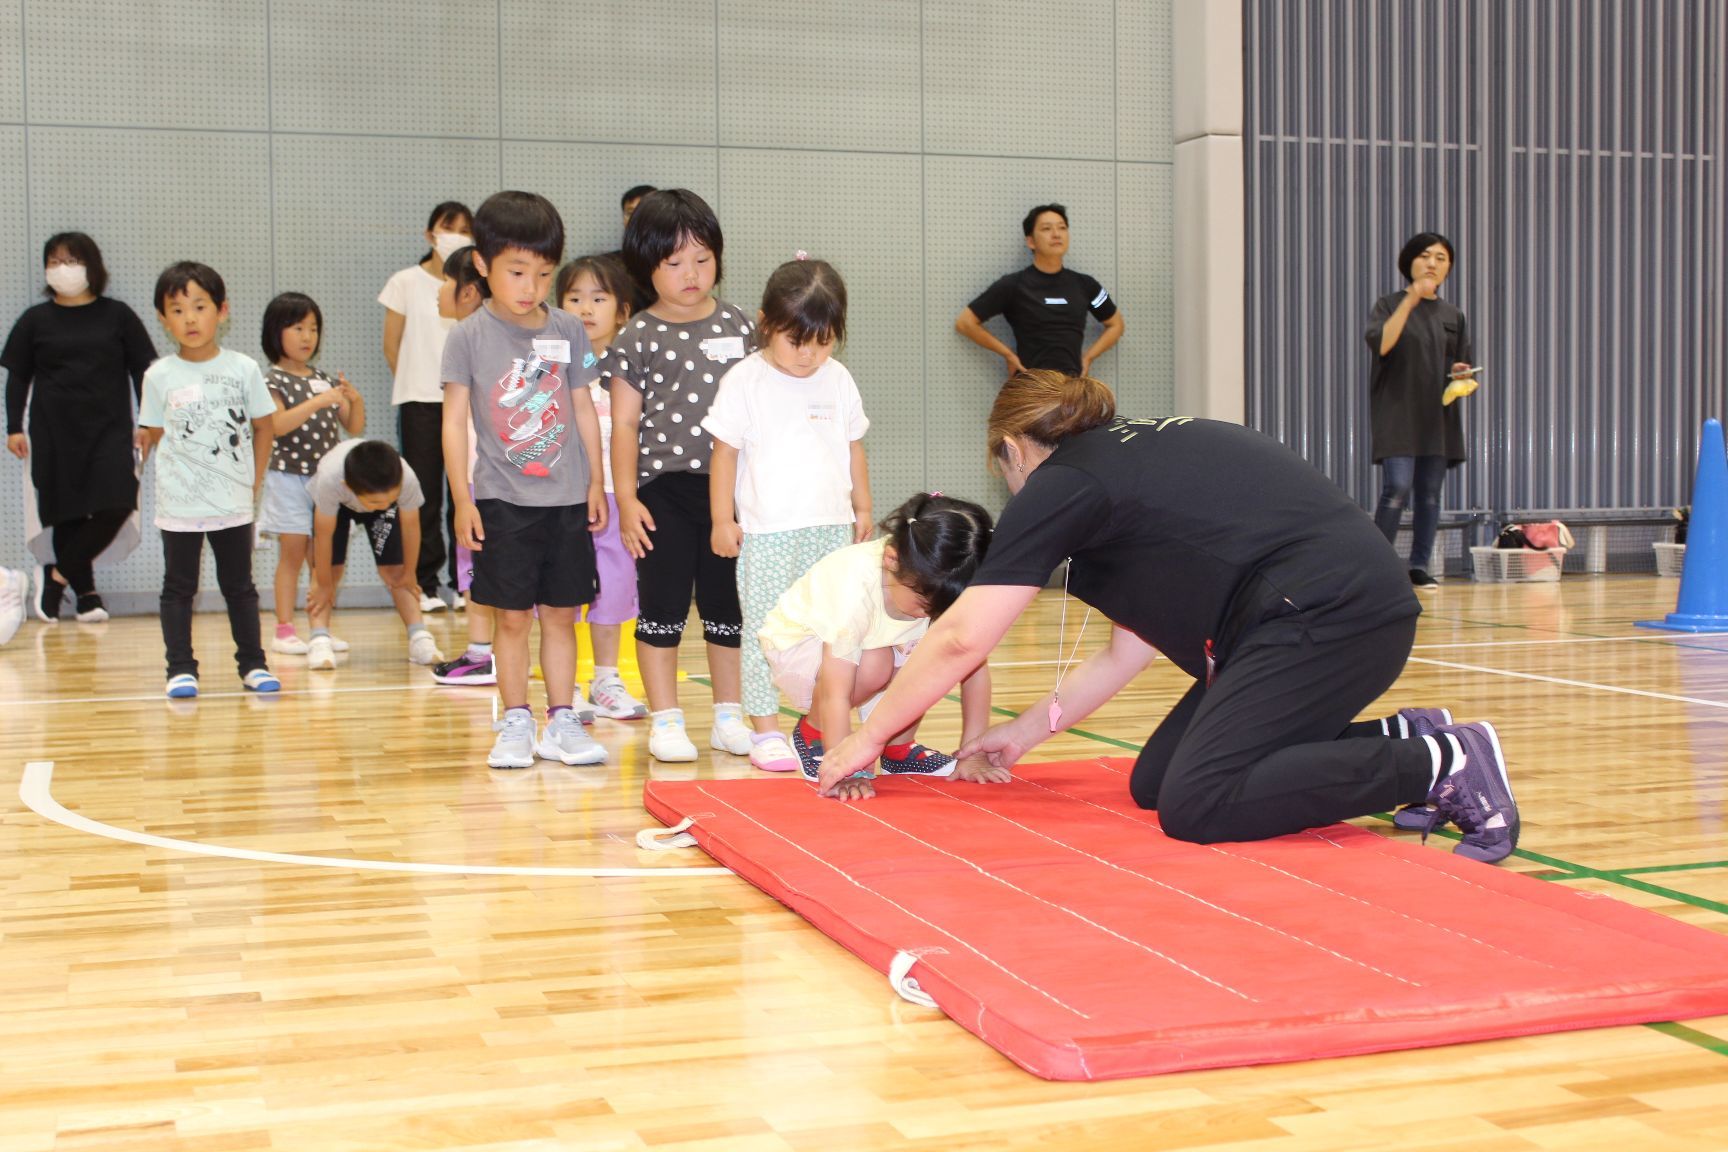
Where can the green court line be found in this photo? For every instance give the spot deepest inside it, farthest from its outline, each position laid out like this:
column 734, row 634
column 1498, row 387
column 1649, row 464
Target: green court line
column 1692, row 1036
column 1563, row 870
column 1668, row 868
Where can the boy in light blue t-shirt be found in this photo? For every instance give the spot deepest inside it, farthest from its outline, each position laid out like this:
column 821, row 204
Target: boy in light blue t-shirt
column 210, row 414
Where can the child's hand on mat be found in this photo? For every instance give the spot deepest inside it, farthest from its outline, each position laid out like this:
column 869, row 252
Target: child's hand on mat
column 854, row 788
column 470, row 532
column 851, row 755
column 980, row 771
column 727, row 538
column 634, row 526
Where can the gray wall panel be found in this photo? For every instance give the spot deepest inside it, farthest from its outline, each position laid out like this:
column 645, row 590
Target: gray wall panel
column 822, row 74
column 1573, row 154
column 391, row 66
column 178, row 64
column 1020, row 78
column 902, row 141
column 629, row 73
column 12, row 61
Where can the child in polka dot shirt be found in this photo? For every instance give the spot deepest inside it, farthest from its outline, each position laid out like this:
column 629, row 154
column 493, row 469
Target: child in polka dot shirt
column 662, row 373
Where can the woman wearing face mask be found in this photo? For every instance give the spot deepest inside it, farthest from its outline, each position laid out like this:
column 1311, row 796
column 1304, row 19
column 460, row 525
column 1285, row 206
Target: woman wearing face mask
column 76, row 362
column 414, row 347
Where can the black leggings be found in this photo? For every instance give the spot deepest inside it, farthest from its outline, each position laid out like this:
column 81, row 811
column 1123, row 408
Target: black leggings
column 422, row 434
column 77, row 543
column 1262, row 752
column 182, row 556
column 682, row 556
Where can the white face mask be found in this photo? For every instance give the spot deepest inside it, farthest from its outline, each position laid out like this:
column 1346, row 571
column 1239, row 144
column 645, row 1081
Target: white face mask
column 67, row 279
column 447, row 244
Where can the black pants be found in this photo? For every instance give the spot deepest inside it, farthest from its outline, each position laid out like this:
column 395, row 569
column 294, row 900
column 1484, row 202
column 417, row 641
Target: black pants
column 682, row 557
column 182, row 555
column 421, row 426
column 1262, row 752
column 77, row 543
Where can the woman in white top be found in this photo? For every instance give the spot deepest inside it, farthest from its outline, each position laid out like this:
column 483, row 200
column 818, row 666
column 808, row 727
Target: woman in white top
column 414, row 346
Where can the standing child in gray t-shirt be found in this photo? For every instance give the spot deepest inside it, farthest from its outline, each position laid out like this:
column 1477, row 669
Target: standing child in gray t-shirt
column 517, row 368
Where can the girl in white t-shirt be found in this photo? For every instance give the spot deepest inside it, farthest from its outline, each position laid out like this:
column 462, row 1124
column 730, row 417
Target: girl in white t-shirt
column 414, row 346
column 789, row 483
column 597, row 291
column 841, row 631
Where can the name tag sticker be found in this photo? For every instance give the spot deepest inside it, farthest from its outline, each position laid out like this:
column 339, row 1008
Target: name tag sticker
column 317, row 385
column 1055, row 299
column 723, row 348
column 555, row 351
column 182, row 397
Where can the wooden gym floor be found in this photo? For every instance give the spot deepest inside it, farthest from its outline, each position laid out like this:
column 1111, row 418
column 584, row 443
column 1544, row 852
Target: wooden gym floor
column 155, row 999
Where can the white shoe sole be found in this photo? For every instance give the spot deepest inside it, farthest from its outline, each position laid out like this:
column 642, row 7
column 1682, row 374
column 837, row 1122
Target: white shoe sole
column 325, row 663
column 551, row 752
column 94, row 616
column 683, row 754
column 510, row 761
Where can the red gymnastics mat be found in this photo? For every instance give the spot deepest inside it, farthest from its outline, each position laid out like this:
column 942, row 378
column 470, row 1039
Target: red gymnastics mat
column 1052, row 919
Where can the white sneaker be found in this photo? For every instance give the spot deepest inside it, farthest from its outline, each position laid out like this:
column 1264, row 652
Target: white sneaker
column 514, row 747
column 667, row 739
column 773, row 754
column 584, row 710
column 321, row 653
column 730, row 733
column 288, row 645
column 458, row 602
column 613, row 701
column 565, row 739
column 424, row 650
column 338, row 643
column 14, row 591
column 431, row 603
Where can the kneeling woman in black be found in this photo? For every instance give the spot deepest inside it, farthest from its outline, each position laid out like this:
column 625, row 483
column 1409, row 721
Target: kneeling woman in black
column 1254, row 574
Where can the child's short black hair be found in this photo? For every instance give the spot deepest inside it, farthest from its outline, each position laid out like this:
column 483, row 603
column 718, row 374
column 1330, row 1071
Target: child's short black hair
column 372, row 466
column 82, row 249
column 804, row 301
column 518, row 220
column 285, row 311
column 1419, row 244
column 634, row 193
column 463, row 275
column 176, row 278
column 940, row 543
column 1031, row 220
column 664, row 222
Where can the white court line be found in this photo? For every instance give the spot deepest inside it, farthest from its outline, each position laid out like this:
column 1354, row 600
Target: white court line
column 1570, row 683
column 33, row 789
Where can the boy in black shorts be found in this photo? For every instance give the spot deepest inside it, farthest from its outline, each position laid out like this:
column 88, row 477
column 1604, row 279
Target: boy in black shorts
column 365, row 482
column 521, row 371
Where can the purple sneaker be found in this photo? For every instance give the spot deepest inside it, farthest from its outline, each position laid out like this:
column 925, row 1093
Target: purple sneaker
column 1413, row 723
column 918, row 761
column 1476, row 795
column 466, row 670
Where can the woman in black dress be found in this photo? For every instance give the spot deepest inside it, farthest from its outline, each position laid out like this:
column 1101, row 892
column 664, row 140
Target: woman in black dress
column 1420, row 344
column 76, row 361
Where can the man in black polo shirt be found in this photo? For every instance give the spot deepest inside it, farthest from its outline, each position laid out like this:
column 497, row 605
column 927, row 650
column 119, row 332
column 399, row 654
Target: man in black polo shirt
column 1045, row 304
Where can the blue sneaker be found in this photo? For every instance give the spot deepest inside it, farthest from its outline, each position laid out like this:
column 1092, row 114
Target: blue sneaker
column 918, row 761
column 261, row 680
column 182, row 686
column 809, row 754
column 1477, row 794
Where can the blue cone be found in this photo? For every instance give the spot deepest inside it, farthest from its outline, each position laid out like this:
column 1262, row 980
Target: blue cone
column 1703, row 605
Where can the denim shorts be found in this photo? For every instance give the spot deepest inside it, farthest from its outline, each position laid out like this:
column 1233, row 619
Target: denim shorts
column 287, row 506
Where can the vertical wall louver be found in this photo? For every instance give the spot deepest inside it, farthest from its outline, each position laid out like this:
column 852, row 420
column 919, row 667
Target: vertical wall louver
column 1573, row 153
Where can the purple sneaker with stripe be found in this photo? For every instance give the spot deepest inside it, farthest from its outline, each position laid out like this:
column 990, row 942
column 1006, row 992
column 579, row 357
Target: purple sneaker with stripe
column 1477, row 795
column 1411, row 723
column 465, row 669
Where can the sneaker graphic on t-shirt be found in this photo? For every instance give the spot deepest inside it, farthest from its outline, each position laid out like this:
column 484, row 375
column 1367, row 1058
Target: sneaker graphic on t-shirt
column 527, row 416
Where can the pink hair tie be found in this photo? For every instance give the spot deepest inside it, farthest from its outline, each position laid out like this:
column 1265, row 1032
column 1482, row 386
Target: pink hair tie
column 800, row 255
column 933, row 494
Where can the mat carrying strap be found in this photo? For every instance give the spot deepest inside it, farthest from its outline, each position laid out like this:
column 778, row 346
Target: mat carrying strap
column 901, row 980
column 666, row 839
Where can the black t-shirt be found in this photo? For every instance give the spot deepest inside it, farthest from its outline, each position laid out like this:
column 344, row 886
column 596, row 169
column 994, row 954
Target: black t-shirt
column 1405, row 386
column 1185, row 531
column 1047, row 311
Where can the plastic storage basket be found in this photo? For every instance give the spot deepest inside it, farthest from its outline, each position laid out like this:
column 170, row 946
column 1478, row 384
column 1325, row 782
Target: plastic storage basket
column 1516, row 565
column 1670, row 558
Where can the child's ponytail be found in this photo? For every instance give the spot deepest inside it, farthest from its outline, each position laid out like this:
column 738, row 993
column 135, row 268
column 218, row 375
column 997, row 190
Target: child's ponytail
column 939, row 542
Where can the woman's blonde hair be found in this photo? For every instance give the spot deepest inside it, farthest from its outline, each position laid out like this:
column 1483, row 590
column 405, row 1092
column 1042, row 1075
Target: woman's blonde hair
column 1046, row 407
